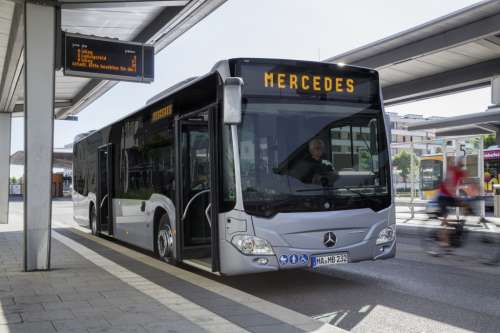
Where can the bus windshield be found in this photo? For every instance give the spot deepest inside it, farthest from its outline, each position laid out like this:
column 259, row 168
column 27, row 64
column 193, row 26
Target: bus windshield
column 310, row 157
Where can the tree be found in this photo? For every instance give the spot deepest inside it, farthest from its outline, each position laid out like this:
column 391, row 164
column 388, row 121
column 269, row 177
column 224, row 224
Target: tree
column 402, row 161
column 13, row 180
column 489, row 140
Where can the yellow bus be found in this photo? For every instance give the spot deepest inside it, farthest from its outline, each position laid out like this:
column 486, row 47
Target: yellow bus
column 431, row 172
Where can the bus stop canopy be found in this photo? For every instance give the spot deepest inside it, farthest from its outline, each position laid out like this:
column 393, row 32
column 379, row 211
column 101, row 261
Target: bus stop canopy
column 485, row 122
column 155, row 22
column 62, row 158
column 456, row 52
column 32, row 85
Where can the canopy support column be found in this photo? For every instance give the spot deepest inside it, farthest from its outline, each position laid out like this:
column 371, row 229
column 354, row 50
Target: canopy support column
column 495, row 100
column 480, row 160
column 5, row 126
column 39, row 52
column 495, row 90
column 412, row 177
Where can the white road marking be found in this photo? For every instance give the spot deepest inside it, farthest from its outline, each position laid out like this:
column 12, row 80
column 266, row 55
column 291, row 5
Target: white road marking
column 191, row 311
column 273, row 310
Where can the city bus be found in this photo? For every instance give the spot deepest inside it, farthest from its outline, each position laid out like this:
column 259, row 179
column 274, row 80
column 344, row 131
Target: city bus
column 431, row 174
column 259, row 165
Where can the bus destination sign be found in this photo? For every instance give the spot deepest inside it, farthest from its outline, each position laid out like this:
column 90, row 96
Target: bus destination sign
column 315, row 82
column 103, row 58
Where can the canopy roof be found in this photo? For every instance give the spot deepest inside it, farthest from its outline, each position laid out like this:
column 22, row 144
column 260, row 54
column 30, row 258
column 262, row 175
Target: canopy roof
column 154, row 22
column 62, row 158
column 471, row 124
column 456, row 52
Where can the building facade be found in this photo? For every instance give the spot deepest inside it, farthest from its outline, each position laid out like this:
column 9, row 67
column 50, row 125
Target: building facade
column 401, row 138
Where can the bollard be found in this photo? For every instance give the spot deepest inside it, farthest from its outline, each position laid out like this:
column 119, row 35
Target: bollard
column 497, row 201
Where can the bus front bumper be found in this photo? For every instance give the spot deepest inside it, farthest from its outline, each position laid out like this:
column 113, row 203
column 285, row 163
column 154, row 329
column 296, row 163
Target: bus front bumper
column 366, row 250
column 292, row 258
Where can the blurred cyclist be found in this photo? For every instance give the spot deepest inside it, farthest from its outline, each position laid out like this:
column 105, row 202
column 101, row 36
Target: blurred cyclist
column 447, row 195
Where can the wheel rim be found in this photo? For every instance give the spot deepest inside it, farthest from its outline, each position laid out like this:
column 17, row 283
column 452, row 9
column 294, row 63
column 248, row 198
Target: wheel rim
column 165, row 242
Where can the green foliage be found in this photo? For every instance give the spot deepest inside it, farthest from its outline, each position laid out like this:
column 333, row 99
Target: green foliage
column 402, row 161
column 489, row 140
column 365, row 160
column 13, row 180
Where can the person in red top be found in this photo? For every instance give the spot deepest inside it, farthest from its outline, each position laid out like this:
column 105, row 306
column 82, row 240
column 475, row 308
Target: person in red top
column 447, row 193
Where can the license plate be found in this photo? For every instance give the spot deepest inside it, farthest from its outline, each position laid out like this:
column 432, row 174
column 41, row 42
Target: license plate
column 329, row 259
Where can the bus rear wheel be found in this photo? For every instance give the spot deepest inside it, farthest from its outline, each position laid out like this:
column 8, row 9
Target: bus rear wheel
column 165, row 240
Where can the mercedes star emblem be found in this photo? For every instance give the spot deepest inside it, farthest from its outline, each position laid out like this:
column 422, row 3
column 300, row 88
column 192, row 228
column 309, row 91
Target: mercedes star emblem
column 329, row 239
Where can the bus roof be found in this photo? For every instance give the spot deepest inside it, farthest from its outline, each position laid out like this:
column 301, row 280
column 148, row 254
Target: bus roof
column 302, row 62
column 221, row 67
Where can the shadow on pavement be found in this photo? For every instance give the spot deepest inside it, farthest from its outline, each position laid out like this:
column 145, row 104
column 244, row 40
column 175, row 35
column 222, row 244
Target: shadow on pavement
column 342, row 301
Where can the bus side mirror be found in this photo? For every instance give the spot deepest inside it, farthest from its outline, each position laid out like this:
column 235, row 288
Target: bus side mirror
column 232, row 100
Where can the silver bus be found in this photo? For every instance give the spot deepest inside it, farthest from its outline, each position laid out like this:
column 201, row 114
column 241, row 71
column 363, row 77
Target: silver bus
column 260, row 165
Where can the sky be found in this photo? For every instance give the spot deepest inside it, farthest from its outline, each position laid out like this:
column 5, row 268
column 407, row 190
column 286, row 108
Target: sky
column 290, row 29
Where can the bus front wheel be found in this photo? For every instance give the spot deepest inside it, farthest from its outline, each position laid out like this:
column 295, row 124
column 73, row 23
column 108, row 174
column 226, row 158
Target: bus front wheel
column 165, row 240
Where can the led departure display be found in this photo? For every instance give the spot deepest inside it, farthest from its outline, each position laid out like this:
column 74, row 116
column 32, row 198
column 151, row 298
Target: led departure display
column 108, row 59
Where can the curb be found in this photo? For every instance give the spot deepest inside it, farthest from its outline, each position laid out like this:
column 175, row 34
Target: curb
column 414, row 230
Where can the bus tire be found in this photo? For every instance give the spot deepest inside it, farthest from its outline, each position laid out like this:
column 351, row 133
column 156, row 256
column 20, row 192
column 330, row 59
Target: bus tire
column 164, row 242
column 93, row 220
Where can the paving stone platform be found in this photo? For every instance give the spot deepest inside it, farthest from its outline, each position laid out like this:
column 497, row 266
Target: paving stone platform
column 100, row 286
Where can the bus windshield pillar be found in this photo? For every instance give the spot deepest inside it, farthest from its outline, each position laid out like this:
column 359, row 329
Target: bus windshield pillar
column 39, row 50
column 5, row 125
column 237, row 167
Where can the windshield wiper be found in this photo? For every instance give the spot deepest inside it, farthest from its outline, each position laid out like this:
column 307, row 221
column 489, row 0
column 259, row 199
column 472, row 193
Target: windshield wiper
column 279, row 205
column 274, row 200
column 360, row 194
column 316, row 189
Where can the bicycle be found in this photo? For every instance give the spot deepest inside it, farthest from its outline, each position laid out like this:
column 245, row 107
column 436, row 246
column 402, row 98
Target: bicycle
column 457, row 237
column 457, row 234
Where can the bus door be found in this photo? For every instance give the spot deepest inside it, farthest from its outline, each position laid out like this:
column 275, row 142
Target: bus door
column 196, row 234
column 104, row 189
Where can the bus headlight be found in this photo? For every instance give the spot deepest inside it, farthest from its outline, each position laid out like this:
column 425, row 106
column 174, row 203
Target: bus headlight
column 251, row 245
column 386, row 235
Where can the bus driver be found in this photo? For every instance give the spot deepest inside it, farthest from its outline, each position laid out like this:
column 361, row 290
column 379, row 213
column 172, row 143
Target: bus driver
column 315, row 168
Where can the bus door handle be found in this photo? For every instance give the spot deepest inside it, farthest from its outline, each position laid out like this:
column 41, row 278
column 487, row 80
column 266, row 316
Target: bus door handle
column 191, row 201
column 102, row 201
column 207, row 214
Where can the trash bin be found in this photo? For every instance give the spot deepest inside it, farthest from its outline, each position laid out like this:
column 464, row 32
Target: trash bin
column 496, row 201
